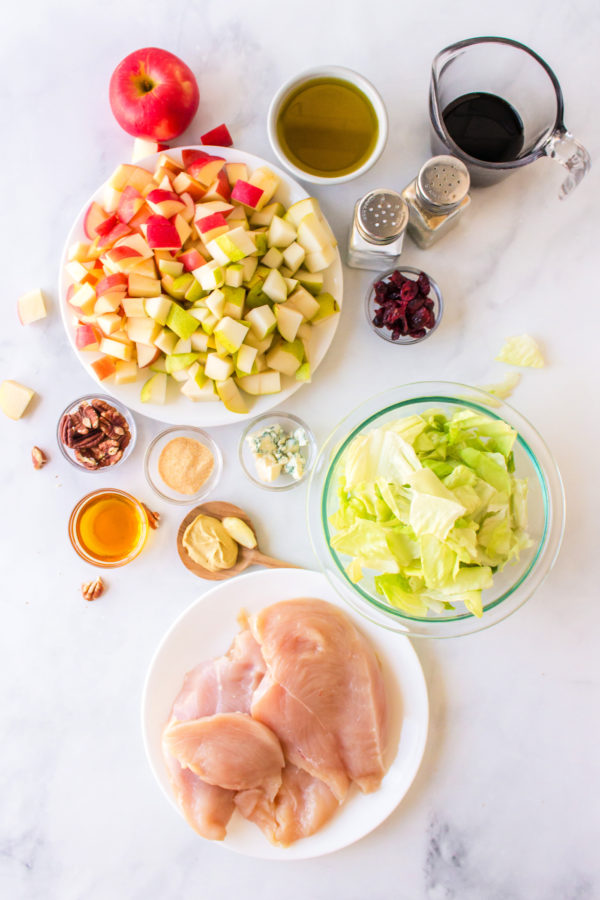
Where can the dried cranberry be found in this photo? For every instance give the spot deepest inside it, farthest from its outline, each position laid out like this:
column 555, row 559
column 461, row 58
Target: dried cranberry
column 409, row 290
column 378, row 319
column 398, row 278
column 415, row 304
column 419, row 333
column 429, row 304
column 424, row 285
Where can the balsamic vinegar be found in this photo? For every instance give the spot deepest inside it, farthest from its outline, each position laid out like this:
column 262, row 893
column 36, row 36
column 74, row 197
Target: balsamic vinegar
column 485, row 127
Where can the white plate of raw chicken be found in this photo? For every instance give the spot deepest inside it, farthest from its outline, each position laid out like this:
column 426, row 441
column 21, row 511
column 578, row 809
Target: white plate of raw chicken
column 207, row 628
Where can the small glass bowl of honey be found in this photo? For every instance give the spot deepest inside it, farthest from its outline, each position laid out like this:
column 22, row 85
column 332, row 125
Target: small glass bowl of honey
column 108, row 528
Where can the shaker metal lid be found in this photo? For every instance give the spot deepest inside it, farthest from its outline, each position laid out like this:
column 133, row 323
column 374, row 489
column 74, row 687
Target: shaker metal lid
column 382, row 216
column 443, row 183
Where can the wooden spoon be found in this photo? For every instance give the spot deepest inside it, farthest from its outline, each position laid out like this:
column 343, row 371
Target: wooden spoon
column 246, row 557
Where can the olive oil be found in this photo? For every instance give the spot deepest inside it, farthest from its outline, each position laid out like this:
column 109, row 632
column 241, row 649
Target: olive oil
column 327, row 127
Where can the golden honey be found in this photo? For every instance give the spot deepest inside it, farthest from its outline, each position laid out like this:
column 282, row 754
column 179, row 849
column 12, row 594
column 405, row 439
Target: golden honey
column 108, row 527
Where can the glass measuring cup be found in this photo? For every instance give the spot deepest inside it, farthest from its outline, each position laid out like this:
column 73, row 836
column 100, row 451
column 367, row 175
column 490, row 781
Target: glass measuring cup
column 511, row 71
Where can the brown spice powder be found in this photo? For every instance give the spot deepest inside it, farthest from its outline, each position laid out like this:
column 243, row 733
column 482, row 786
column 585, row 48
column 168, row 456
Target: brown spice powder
column 185, row 464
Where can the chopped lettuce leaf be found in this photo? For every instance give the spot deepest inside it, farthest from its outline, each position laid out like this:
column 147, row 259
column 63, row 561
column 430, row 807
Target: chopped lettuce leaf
column 430, row 504
column 503, row 389
column 521, row 350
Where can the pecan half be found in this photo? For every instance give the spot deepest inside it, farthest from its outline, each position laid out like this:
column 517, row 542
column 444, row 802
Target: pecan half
column 153, row 517
column 38, row 458
column 93, row 589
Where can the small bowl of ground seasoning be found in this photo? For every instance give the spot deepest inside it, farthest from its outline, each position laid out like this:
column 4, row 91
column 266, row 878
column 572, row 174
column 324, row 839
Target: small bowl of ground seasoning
column 183, row 465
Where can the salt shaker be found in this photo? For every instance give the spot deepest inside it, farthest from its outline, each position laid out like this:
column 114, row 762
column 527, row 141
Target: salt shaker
column 377, row 233
column 436, row 198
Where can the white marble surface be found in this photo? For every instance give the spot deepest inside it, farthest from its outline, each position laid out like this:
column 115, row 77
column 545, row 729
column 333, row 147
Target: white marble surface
column 505, row 805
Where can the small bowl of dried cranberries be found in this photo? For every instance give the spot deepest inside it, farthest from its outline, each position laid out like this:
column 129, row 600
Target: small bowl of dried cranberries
column 404, row 305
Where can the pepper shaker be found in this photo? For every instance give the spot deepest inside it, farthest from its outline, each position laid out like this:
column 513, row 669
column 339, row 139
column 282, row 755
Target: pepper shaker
column 377, row 233
column 436, row 198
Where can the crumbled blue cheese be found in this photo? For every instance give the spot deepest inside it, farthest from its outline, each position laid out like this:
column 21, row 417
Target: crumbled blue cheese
column 276, row 450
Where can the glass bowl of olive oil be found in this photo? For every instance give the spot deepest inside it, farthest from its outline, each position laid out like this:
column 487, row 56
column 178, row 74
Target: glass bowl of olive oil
column 327, row 125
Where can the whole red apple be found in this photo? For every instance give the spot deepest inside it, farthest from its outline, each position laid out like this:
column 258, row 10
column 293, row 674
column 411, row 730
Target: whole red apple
column 153, row 94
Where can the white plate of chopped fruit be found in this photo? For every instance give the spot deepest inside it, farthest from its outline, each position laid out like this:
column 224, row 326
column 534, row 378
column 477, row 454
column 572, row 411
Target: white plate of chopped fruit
column 201, row 285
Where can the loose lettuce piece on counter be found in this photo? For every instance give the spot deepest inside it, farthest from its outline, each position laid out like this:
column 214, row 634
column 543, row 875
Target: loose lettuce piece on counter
column 503, row 389
column 522, row 350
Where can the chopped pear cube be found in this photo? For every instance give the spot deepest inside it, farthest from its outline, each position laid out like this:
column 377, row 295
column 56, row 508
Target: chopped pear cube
column 275, row 287
column 217, row 367
column 245, row 359
column 262, row 321
column 293, row 256
column 281, row 233
column 230, row 333
column 272, row 259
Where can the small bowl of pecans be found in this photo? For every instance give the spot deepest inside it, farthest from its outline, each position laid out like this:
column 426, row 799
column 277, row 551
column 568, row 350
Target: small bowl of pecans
column 96, row 433
column 404, row 305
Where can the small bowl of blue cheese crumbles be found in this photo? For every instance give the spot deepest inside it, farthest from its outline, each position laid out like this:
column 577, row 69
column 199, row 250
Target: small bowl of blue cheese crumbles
column 277, row 451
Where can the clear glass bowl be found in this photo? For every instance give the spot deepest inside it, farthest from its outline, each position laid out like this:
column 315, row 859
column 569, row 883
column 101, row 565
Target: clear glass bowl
column 371, row 307
column 155, row 448
column 79, row 546
column 120, row 407
column 517, row 581
column 289, row 422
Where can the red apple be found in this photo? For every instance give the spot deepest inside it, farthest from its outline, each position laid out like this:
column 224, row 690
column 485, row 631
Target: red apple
column 153, row 94
column 218, row 137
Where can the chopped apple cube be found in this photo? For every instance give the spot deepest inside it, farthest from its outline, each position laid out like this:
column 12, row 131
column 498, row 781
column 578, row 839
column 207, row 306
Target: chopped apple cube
column 14, row 398
column 142, row 286
column 31, row 307
column 116, row 349
column 126, row 371
column 267, row 181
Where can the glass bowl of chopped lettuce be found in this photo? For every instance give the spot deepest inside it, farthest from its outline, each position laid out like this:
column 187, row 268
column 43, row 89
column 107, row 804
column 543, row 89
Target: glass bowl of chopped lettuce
column 436, row 509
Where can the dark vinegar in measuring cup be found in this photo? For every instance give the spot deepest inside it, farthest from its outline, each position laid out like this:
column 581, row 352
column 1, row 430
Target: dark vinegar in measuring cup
column 485, row 127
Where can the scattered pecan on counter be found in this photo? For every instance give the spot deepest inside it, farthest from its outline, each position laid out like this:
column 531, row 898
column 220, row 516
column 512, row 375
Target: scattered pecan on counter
column 93, row 589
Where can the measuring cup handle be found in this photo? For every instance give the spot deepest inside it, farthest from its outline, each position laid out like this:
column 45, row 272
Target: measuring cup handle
column 563, row 147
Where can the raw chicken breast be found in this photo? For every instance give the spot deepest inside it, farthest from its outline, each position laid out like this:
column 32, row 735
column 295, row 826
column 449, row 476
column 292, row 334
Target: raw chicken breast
column 306, row 741
column 302, row 805
column 206, row 807
column 225, row 684
column 231, row 750
column 317, row 656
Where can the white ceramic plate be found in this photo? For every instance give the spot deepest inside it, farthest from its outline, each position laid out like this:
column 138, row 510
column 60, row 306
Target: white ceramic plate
column 178, row 410
column 207, row 628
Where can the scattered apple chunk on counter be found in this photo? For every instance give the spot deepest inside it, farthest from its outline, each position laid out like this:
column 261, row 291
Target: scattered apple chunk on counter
column 14, row 398
column 195, row 274
column 32, row 306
